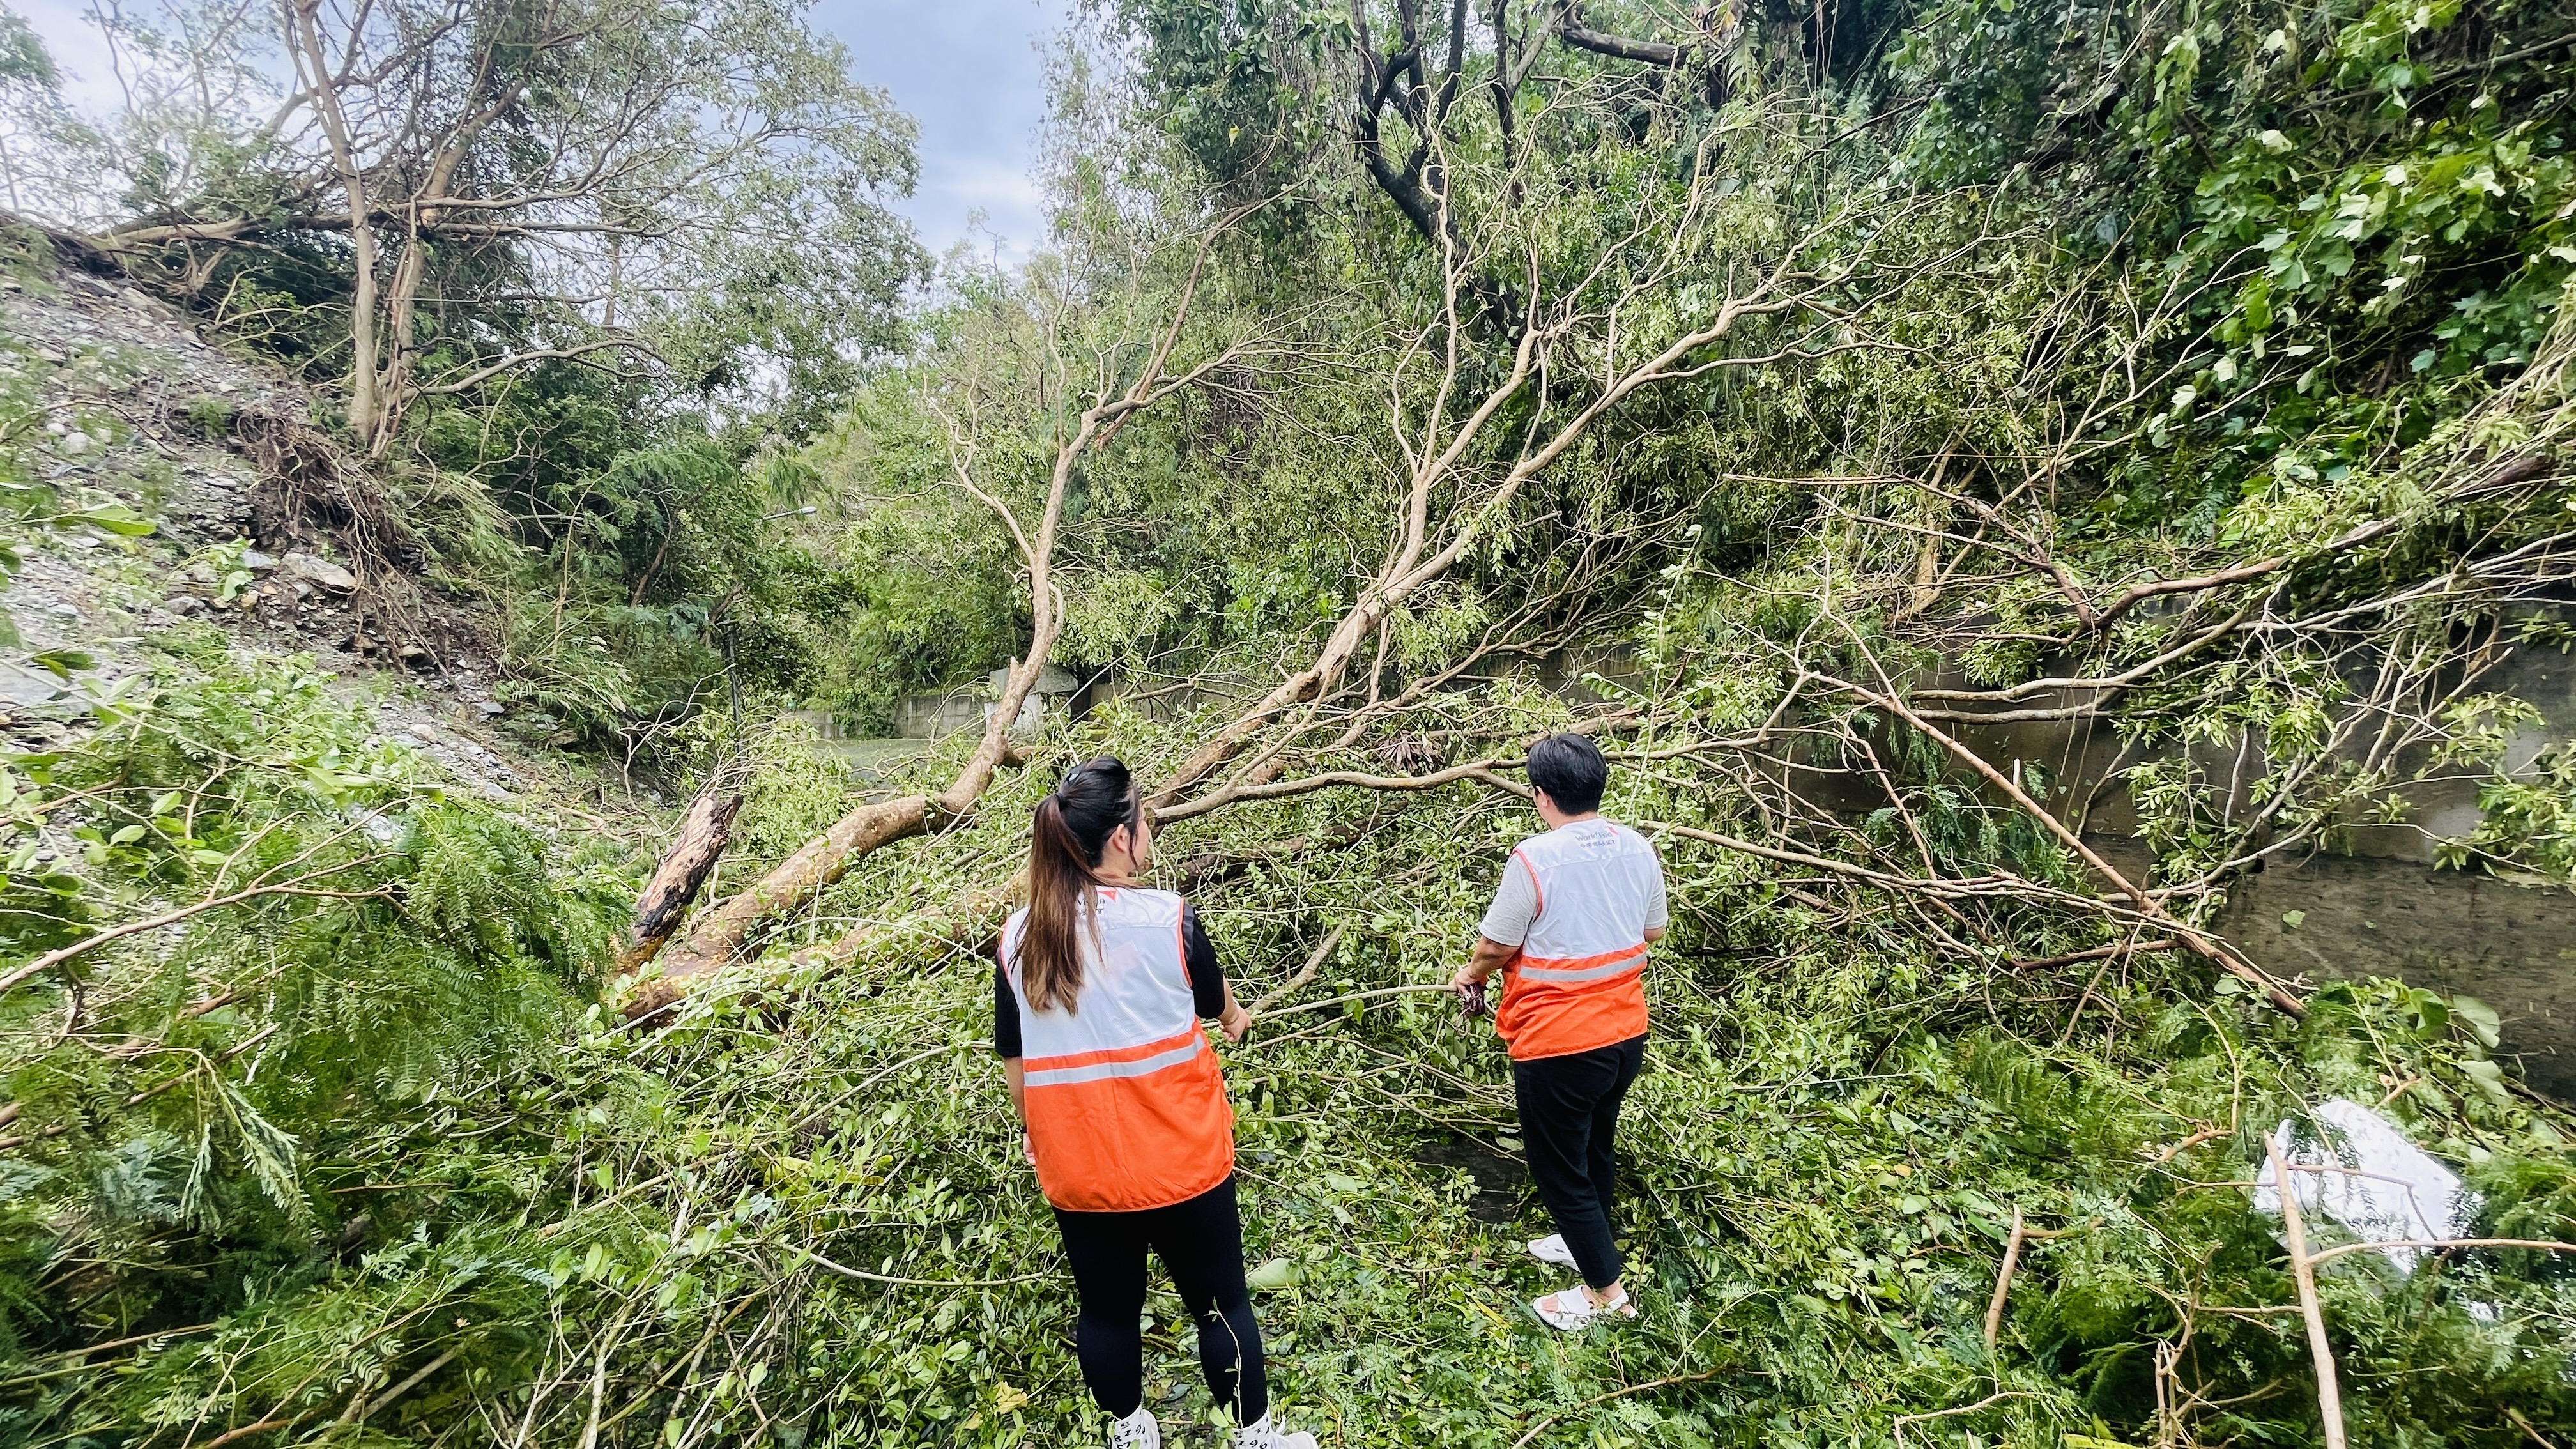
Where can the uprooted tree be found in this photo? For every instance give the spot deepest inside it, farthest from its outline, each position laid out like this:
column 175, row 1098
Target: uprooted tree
column 1070, row 358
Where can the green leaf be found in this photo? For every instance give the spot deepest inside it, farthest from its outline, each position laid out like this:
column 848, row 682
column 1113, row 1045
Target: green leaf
column 2490, row 1080
column 114, row 518
column 1276, row 1274
column 2480, row 1019
column 63, row 663
column 2432, row 1015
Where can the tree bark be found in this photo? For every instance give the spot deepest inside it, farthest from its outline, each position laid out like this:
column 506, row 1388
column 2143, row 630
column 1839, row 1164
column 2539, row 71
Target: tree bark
column 718, row 933
column 1571, row 29
column 666, row 898
column 2303, row 1272
column 304, row 22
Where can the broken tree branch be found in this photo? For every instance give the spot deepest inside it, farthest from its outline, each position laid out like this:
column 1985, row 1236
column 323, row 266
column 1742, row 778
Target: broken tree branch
column 2192, row 938
column 2303, row 1270
column 2003, row 1283
column 666, row 898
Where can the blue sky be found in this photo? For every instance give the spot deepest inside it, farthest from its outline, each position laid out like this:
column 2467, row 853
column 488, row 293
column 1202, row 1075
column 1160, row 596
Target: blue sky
column 970, row 71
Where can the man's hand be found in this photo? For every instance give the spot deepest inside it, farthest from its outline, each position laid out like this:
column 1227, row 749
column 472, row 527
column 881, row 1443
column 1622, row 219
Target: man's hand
column 1490, row 956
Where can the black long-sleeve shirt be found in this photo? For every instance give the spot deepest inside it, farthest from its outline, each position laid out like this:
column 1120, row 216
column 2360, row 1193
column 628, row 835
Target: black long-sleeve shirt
column 1198, row 959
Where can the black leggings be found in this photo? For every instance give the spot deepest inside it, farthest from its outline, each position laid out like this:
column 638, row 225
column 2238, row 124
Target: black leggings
column 1569, row 1115
column 1201, row 1244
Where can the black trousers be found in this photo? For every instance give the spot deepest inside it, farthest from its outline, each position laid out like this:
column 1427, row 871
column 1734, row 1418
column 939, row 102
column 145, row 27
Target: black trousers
column 1569, row 1109
column 1201, row 1244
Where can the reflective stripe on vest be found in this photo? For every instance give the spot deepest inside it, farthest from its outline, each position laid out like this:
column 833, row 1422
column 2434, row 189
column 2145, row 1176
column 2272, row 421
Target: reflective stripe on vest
column 1126, row 1106
column 1590, row 968
column 1579, row 982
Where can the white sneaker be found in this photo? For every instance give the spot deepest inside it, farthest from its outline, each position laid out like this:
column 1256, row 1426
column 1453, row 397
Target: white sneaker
column 1574, row 1309
column 1138, row 1430
column 1266, row 1435
column 1552, row 1249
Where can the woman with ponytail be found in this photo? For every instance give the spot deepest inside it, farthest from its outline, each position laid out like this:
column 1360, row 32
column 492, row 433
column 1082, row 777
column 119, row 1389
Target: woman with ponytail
column 1096, row 1010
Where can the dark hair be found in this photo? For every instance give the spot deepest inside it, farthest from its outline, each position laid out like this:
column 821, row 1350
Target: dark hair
column 1570, row 769
column 1073, row 826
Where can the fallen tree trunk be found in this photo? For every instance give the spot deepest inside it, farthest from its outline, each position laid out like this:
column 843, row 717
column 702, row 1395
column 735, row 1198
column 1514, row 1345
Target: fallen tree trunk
column 718, row 935
column 1444, row 508
column 666, row 898
column 720, row 932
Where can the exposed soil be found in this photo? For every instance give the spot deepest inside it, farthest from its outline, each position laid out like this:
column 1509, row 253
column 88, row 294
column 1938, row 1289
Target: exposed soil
column 139, row 410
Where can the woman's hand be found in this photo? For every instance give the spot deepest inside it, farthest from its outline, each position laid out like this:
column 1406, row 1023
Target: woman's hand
column 1236, row 1022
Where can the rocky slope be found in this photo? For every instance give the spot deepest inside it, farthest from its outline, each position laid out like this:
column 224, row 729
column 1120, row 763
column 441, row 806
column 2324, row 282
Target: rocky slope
column 146, row 524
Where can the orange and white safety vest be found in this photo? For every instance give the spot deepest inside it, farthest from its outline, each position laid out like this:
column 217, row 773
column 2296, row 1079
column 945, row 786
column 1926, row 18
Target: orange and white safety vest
column 1126, row 1108
column 1579, row 981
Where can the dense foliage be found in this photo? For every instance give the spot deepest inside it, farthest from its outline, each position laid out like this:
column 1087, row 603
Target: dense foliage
column 1836, row 410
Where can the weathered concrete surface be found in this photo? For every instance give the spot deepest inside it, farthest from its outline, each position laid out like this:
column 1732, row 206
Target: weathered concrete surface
column 937, row 716
column 2512, row 947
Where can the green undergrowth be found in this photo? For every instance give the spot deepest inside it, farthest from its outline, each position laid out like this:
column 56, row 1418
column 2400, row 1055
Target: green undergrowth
column 189, row 1106
column 800, row 1214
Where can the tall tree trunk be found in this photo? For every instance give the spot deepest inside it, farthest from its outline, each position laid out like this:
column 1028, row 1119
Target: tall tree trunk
column 401, row 305
column 304, row 23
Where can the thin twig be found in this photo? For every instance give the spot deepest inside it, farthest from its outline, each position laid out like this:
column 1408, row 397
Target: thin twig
column 848, row 1272
column 1524, row 1441
column 1988, row 1402
column 52, row 959
column 2524, row 1425
column 1359, row 996
column 1314, row 963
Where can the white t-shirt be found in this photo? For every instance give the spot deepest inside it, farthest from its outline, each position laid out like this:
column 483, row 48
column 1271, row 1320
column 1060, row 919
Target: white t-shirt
column 1507, row 920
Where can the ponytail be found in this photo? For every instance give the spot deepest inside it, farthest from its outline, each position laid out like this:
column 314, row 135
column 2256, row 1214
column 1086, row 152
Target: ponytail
column 1072, row 827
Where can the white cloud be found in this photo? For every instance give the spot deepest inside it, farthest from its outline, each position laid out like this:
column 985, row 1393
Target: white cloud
column 956, row 188
column 970, row 72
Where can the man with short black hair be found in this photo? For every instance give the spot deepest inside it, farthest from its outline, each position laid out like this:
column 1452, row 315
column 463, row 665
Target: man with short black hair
column 1568, row 929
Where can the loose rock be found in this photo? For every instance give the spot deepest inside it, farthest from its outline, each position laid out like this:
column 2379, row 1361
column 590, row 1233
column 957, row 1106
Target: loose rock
column 322, row 573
